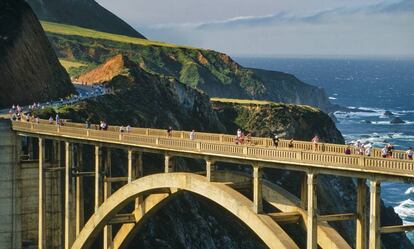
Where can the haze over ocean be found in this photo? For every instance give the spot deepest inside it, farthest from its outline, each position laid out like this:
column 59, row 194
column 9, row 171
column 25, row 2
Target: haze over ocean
column 375, row 85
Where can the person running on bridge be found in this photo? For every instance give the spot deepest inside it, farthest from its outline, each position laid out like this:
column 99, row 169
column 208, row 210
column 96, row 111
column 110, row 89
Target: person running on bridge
column 239, row 133
column 57, row 119
column 390, row 149
column 384, row 151
column 368, row 149
column 348, row 150
column 290, row 145
column 275, row 140
column 410, row 153
column 192, row 135
column 50, row 120
column 315, row 141
column 122, row 129
column 249, row 138
column 128, row 129
column 169, row 132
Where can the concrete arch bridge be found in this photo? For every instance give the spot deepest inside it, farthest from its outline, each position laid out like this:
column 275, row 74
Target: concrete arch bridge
column 59, row 150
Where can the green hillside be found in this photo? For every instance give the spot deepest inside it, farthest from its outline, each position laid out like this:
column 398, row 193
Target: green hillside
column 212, row 72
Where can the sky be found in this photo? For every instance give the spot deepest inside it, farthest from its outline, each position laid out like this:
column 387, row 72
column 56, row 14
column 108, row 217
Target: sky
column 298, row 28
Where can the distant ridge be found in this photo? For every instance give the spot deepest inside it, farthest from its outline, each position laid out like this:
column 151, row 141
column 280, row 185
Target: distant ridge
column 83, row 13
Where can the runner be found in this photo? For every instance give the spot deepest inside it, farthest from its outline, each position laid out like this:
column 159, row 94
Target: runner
column 192, row 135
column 275, row 140
column 290, row 144
column 384, row 151
column 410, row 153
column 368, row 150
column 348, row 150
column 315, row 141
column 169, row 132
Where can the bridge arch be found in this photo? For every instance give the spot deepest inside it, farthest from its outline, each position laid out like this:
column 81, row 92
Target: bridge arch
column 266, row 229
column 328, row 237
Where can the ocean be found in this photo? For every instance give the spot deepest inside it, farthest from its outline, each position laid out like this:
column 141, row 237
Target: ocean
column 374, row 85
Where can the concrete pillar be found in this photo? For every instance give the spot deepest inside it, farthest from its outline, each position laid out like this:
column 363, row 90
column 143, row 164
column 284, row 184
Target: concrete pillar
column 312, row 242
column 98, row 156
column 41, row 211
column 10, row 195
column 139, row 168
column 257, row 189
column 361, row 232
column 107, row 231
column 130, row 174
column 374, row 215
column 304, row 193
column 210, row 167
column 67, row 194
column 139, row 172
column 79, row 193
column 30, row 149
column 168, row 164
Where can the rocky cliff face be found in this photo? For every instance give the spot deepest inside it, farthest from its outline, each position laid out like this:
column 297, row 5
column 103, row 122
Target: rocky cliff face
column 83, row 13
column 29, row 68
column 267, row 118
column 214, row 73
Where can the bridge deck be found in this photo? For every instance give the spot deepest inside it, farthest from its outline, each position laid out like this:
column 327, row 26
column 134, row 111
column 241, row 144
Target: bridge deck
column 303, row 154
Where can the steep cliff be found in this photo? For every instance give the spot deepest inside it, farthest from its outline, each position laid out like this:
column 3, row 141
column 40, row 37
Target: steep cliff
column 266, row 118
column 84, row 13
column 214, row 73
column 29, row 68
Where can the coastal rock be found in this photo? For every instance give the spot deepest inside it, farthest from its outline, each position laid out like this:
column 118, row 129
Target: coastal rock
column 366, row 122
column 388, row 113
column 29, row 68
column 397, row 120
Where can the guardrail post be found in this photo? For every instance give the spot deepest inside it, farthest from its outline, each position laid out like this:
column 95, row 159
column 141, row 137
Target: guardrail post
column 299, row 155
column 87, row 133
column 157, row 141
column 221, row 137
column 361, row 161
column 312, row 207
column 147, row 132
column 374, row 215
column 245, row 150
column 198, row 146
column 120, row 136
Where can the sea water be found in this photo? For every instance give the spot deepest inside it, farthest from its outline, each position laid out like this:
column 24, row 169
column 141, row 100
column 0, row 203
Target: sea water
column 374, row 86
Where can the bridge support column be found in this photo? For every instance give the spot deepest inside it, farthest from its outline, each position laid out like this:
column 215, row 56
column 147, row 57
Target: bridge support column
column 257, row 189
column 107, row 231
column 374, row 215
column 312, row 242
column 41, row 211
column 304, row 193
column 79, row 192
column 98, row 156
column 130, row 173
column 168, row 164
column 139, row 172
column 361, row 226
column 67, row 194
column 210, row 168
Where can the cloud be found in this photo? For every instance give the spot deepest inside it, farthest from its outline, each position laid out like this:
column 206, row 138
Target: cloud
column 386, row 7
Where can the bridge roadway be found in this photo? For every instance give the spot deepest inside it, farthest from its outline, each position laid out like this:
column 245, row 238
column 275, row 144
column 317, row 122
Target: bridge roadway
column 213, row 148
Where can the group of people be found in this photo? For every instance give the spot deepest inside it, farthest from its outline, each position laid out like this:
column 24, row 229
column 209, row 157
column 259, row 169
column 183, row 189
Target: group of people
column 360, row 149
column 16, row 113
column 386, row 152
column 241, row 138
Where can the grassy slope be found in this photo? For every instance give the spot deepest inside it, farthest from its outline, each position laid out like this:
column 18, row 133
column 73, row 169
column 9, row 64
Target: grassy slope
column 64, row 29
column 71, row 64
column 212, row 72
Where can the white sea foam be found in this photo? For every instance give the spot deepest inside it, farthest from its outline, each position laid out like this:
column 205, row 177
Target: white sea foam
column 409, row 191
column 332, row 98
column 405, row 209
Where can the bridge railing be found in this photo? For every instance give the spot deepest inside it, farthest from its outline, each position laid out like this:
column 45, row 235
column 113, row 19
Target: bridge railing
column 281, row 153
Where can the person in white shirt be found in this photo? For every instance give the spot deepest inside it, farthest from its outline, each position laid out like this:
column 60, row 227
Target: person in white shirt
column 128, row 128
column 410, row 153
column 368, row 150
column 384, row 152
column 192, row 135
column 239, row 133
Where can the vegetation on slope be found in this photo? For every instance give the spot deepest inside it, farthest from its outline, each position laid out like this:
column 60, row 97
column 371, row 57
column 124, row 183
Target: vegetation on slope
column 214, row 73
column 84, row 13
